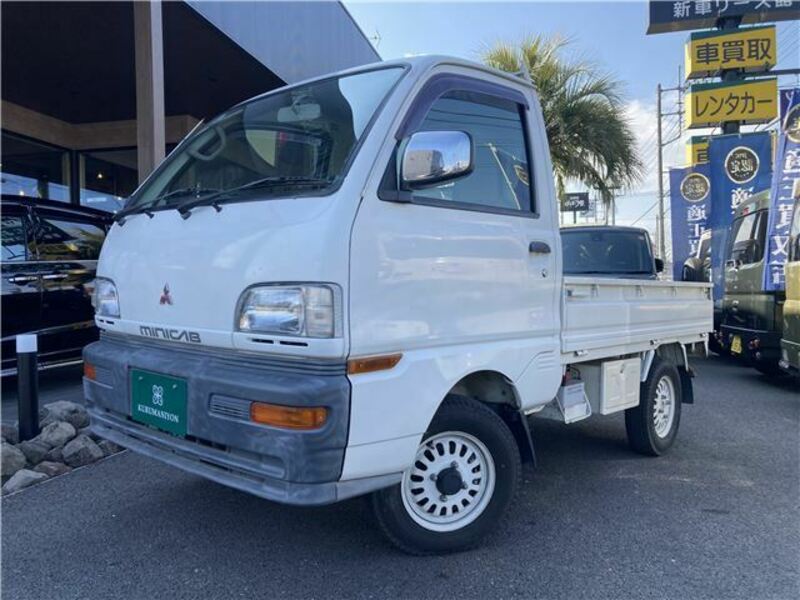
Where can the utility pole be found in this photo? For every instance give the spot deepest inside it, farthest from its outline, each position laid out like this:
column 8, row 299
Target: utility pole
column 660, row 229
column 662, row 246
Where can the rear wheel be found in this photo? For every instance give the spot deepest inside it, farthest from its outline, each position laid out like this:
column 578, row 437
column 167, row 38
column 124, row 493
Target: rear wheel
column 653, row 424
column 464, row 476
column 769, row 368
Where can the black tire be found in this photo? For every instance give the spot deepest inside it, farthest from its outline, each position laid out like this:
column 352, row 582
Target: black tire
column 770, row 369
column 460, row 415
column 640, row 421
column 717, row 348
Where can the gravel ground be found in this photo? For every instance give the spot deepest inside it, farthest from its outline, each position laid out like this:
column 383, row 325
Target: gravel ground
column 718, row 517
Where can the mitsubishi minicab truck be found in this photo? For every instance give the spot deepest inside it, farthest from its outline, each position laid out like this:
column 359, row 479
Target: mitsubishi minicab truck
column 353, row 285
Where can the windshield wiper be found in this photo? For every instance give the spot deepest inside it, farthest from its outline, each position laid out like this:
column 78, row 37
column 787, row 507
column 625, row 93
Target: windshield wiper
column 122, row 215
column 133, row 210
column 213, row 199
column 185, row 192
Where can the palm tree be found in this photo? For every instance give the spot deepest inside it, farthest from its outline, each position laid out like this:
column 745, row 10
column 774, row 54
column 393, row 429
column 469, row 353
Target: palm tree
column 591, row 140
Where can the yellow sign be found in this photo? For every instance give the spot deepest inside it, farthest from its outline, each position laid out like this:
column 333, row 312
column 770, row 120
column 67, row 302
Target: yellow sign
column 697, row 150
column 748, row 102
column 752, row 50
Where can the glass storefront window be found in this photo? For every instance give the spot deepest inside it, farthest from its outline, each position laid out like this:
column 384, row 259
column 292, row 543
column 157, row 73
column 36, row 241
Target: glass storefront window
column 107, row 178
column 34, row 169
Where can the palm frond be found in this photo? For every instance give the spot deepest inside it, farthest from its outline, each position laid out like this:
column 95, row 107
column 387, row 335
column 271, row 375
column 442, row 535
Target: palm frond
column 590, row 138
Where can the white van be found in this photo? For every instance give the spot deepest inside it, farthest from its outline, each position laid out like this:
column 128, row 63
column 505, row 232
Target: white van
column 353, row 285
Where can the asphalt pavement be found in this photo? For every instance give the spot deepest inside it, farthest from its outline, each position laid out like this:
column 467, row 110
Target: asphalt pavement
column 718, row 517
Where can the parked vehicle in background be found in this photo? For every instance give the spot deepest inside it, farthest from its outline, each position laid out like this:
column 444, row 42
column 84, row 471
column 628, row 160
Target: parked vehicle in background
column 752, row 319
column 50, row 252
column 609, row 251
column 354, row 285
column 790, row 344
column 698, row 267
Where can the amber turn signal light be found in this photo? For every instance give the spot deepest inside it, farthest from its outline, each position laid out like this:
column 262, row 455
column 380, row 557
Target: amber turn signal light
column 89, row 371
column 370, row 364
column 288, row 417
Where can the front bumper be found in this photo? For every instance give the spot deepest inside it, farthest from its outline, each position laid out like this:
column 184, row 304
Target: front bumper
column 222, row 444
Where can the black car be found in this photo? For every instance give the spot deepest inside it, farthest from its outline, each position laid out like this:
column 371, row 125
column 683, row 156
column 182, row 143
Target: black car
column 609, row 251
column 50, row 252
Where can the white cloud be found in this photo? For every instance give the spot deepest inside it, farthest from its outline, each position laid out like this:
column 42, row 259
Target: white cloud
column 643, row 119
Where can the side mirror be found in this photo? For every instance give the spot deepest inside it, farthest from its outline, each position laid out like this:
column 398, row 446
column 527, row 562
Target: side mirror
column 659, row 265
column 433, row 157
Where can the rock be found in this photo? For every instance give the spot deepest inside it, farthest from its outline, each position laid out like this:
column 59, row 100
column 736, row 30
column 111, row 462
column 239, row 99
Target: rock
column 63, row 410
column 34, row 451
column 55, row 454
column 52, row 469
column 56, row 434
column 81, row 451
column 9, row 433
column 108, row 447
column 12, row 460
column 88, row 432
column 22, row 479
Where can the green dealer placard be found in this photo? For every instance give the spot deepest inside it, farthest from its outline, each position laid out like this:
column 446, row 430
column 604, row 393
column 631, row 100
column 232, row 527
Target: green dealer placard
column 159, row 400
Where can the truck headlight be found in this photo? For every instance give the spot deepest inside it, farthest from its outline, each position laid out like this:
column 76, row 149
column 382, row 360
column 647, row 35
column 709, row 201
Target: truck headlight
column 307, row 310
column 105, row 299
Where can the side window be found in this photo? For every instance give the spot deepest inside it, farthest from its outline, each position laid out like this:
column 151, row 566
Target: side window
column 14, row 242
column 64, row 239
column 499, row 179
column 750, row 233
column 759, row 237
column 705, row 248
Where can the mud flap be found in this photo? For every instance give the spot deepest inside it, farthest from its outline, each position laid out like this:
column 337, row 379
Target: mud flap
column 687, row 390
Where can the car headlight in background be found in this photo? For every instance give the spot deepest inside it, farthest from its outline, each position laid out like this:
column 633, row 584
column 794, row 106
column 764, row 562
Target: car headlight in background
column 105, row 299
column 307, row 310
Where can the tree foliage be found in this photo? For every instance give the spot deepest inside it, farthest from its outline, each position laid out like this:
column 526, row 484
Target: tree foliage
column 591, row 139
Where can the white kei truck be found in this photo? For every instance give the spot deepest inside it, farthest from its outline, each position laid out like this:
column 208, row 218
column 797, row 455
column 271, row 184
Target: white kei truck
column 354, row 285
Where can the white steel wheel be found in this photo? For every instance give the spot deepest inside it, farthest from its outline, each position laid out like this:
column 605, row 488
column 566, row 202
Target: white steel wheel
column 664, row 407
column 450, row 483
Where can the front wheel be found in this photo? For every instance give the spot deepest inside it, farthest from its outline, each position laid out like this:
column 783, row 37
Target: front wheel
column 464, row 476
column 653, row 425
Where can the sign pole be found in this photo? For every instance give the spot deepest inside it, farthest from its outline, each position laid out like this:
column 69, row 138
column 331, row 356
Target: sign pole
column 729, row 75
column 662, row 246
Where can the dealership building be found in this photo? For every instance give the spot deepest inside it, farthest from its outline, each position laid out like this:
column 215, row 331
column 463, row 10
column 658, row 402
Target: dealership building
column 95, row 93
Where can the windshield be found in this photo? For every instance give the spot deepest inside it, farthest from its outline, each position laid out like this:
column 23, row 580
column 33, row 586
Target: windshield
column 612, row 252
column 296, row 141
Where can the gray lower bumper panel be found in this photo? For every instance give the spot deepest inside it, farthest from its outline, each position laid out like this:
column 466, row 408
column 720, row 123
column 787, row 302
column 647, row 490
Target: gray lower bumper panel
column 221, row 442
column 215, row 465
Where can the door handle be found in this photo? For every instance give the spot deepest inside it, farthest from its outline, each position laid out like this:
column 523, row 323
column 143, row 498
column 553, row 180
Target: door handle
column 23, row 278
column 539, row 248
column 52, row 276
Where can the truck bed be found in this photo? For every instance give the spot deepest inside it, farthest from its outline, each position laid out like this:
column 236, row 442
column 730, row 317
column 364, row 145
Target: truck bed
column 610, row 317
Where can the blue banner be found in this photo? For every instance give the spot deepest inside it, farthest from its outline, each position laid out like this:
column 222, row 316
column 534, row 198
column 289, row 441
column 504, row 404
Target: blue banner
column 787, row 169
column 690, row 208
column 741, row 165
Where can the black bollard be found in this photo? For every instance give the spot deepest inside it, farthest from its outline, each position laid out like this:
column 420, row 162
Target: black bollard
column 27, row 387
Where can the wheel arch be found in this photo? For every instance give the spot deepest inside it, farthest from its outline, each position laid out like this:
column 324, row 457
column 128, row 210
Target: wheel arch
column 677, row 355
column 497, row 391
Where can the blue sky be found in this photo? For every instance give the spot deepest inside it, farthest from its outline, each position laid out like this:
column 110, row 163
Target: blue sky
column 610, row 33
